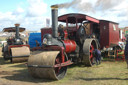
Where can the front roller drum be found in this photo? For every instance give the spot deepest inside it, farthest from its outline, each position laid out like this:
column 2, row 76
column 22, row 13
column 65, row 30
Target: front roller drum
column 19, row 54
column 41, row 65
column 88, row 47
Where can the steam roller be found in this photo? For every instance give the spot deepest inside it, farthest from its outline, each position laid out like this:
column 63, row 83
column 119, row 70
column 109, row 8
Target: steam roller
column 61, row 48
column 16, row 49
column 47, row 65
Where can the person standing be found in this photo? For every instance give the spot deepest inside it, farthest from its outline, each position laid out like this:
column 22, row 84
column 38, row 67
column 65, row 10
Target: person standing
column 126, row 53
column 97, row 55
column 37, row 43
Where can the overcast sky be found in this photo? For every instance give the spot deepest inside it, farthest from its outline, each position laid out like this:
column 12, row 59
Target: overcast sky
column 32, row 14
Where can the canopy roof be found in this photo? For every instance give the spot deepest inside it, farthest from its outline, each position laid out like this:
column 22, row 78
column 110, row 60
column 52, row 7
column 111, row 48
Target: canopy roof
column 72, row 17
column 13, row 29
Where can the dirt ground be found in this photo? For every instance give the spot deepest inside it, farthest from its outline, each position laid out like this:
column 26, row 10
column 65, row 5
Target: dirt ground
column 108, row 73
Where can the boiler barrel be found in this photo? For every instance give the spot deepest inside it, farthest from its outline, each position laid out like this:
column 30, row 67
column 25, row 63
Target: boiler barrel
column 70, row 46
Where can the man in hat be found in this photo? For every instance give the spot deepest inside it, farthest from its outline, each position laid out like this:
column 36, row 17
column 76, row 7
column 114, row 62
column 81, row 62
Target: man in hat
column 126, row 52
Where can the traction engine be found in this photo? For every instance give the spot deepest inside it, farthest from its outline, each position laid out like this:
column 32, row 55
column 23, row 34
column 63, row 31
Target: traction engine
column 16, row 48
column 63, row 46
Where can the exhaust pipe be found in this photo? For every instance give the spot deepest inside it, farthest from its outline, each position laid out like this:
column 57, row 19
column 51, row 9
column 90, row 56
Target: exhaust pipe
column 17, row 31
column 54, row 21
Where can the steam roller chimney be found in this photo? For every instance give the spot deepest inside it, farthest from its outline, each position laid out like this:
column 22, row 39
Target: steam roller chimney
column 54, row 20
column 17, row 30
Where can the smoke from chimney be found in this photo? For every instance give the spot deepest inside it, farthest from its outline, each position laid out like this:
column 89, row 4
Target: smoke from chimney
column 107, row 4
column 78, row 5
column 90, row 5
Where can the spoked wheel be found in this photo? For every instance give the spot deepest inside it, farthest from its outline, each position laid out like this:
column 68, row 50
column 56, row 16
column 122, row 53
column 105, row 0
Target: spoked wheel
column 45, row 62
column 92, row 58
column 57, row 61
column 88, row 47
column 60, row 71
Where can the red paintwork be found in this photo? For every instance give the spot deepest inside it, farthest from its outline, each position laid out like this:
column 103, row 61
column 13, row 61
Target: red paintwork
column 58, row 60
column 92, row 19
column 64, row 64
column 91, row 51
column 13, row 46
column 108, row 36
column 62, row 54
column 51, row 47
column 45, row 31
column 117, row 56
column 70, row 46
column 65, row 34
column 73, row 17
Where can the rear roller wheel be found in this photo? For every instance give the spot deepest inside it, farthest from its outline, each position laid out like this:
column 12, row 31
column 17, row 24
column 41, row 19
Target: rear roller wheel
column 88, row 47
column 45, row 62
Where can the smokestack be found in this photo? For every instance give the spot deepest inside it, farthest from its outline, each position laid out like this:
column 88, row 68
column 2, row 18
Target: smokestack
column 17, row 30
column 54, row 21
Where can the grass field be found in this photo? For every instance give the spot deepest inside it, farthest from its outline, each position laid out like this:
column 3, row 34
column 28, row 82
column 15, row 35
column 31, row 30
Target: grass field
column 108, row 73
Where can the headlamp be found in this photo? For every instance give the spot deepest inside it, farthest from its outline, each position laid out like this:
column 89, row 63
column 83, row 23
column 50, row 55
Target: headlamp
column 45, row 41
